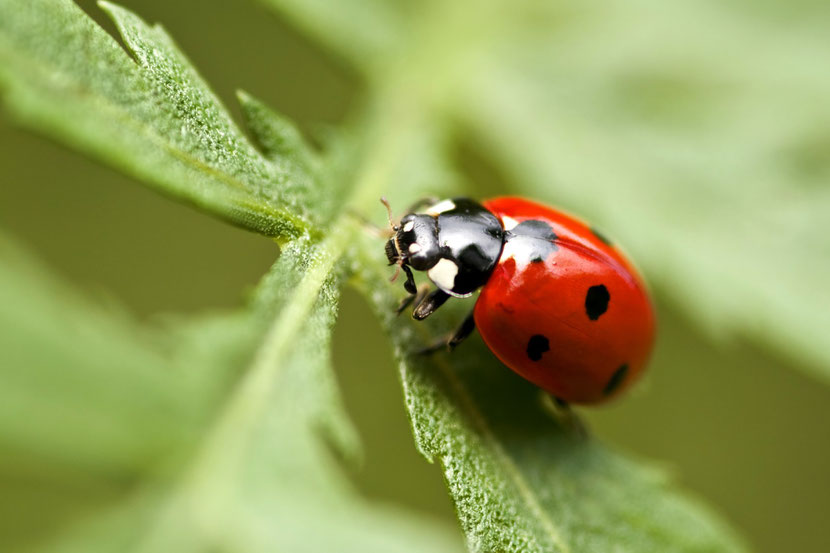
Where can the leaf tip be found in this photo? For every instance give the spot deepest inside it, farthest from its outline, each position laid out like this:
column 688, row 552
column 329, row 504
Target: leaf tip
column 243, row 96
column 118, row 14
column 276, row 135
column 109, row 7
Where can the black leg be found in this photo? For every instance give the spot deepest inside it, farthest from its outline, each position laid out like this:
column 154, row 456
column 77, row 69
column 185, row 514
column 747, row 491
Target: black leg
column 429, row 304
column 467, row 326
column 423, row 202
column 568, row 418
column 409, row 285
column 463, row 332
column 417, row 298
column 560, row 403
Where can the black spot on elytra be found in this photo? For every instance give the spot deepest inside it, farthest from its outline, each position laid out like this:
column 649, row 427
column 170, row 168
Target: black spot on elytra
column 602, row 238
column 532, row 241
column 534, row 229
column 596, row 301
column 536, row 346
column 615, row 380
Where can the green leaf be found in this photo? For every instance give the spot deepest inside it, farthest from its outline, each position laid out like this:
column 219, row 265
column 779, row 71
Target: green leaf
column 520, row 482
column 79, row 381
column 151, row 116
column 240, row 464
column 223, row 466
column 210, row 438
column 276, row 136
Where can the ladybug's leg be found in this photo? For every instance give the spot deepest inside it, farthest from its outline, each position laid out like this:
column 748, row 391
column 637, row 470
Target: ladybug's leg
column 409, row 285
column 429, row 304
column 467, row 326
column 423, row 202
column 568, row 418
column 416, row 298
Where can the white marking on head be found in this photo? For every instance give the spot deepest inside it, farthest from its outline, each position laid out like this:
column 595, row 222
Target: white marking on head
column 441, row 207
column 414, row 248
column 443, row 274
column 409, row 226
column 509, row 223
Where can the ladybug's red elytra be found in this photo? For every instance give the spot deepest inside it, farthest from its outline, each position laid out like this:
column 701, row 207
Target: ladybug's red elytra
column 559, row 304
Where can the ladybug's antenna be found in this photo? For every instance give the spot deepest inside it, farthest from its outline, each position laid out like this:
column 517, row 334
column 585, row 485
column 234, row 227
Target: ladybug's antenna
column 395, row 276
column 385, row 203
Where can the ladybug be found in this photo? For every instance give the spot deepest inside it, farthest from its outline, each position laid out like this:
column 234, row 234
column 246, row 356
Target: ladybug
column 558, row 303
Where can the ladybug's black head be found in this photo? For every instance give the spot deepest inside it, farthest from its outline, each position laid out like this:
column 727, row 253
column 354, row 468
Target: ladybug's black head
column 415, row 242
column 457, row 242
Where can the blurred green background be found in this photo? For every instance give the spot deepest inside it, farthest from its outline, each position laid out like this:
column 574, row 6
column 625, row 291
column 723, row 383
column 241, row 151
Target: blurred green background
column 736, row 424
